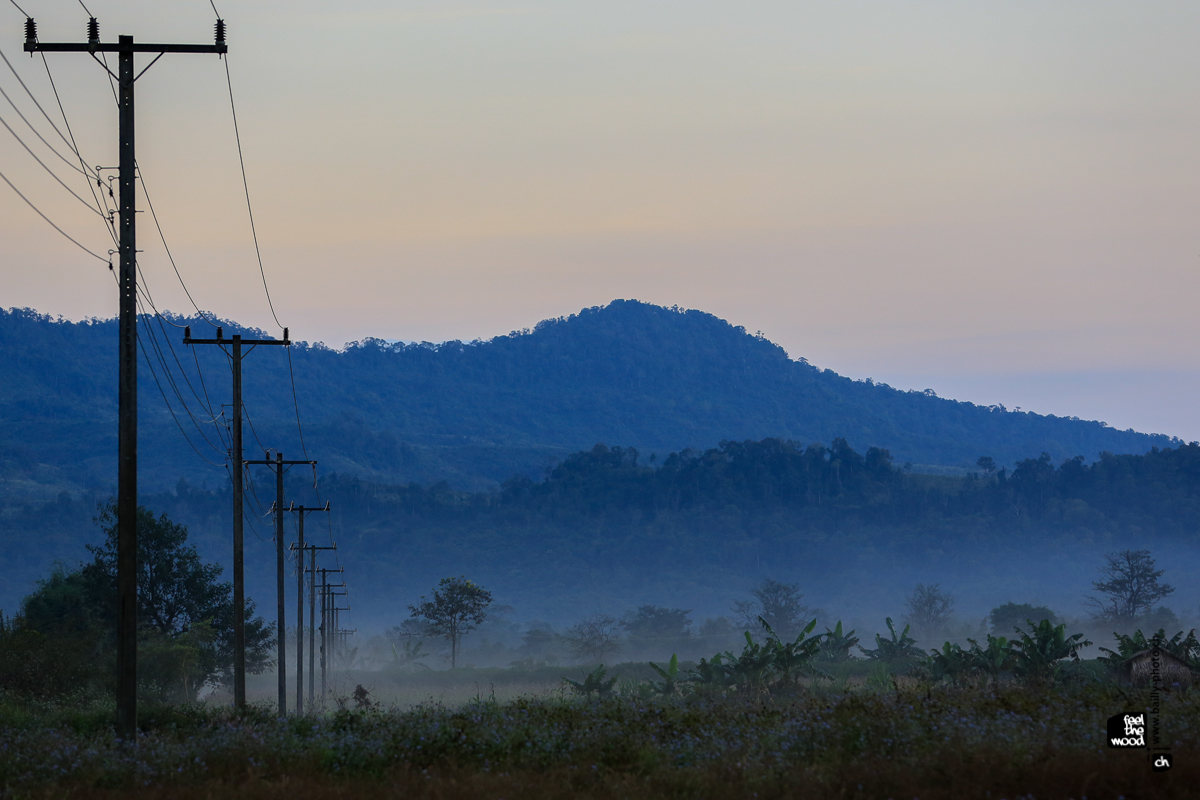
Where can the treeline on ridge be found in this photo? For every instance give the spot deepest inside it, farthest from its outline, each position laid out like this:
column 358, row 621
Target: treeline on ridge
column 816, row 483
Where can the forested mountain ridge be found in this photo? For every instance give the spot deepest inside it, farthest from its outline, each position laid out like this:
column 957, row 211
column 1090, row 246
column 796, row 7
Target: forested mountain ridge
column 658, row 379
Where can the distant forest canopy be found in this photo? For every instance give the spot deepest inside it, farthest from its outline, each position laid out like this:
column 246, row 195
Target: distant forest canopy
column 613, row 529
column 473, row 414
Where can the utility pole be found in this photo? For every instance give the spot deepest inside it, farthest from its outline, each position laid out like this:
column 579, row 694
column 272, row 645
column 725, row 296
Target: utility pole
column 127, row 494
column 312, row 618
column 280, row 615
column 301, row 511
column 325, row 620
column 235, row 352
column 331, row 594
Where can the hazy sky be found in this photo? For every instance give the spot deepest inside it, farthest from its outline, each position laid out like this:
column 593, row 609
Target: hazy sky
column 998, row 201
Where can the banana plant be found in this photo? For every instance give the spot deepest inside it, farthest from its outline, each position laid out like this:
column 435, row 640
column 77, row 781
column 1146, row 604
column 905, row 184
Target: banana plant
column 998, row 657
column 751, row 670
column 411, row 659
column 1186, row 648
column 593, row 683
column 900, row 649
column 950, row 663
column 711, row 675
column 1041, row 650
column 836, row 646
column 794, row 658
column 669, row 676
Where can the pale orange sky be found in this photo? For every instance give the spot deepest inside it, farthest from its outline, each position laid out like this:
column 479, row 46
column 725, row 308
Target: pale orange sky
column 994, row 200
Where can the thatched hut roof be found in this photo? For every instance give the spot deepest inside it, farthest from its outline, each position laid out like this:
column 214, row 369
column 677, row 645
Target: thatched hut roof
column 1171, row 669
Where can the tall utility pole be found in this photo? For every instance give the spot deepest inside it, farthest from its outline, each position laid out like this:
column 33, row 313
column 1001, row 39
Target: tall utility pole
column 301, row 511
column 127, row 395
column 235, row 343
column 280, row 616
column 312, row 616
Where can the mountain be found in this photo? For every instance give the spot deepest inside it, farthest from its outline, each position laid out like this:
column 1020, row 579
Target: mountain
column 474, row 413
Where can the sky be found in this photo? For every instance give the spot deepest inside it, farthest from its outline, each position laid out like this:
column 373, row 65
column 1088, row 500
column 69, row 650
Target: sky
column 995, row 200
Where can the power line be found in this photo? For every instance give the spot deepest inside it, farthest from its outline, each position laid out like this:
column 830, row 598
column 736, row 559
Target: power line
column 174, row 386
column 168, row 405
column 48, row 170
column 14, row 2
column 154, row 216
column 38, row 134
column 75, row 146
column 246, row 187
column 17, row 75
column 52, row 225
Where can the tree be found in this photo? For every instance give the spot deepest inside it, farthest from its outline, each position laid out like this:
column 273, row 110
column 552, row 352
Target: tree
column 1006, row 618
column 185, row 615
column 929, row 609
column 655, row 626
column 457, row 608
column 1130, row 588
column 777, row 603
column 987, row 464
column 593, row 638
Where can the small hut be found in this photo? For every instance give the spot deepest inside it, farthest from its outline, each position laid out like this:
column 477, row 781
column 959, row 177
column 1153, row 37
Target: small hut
column 1172, row 670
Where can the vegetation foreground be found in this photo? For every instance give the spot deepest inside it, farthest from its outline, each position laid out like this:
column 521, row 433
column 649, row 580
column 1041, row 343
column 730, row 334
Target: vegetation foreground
column 912, row 739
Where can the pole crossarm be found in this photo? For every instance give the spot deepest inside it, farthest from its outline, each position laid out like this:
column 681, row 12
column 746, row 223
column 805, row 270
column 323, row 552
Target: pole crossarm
column 279, row 462
column 187, row 339
column 122, row 47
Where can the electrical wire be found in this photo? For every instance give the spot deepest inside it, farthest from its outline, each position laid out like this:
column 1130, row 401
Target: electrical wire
column 246, row 415
column 174, row 386
column 50, row 171
column 17, row 75
column 100, row 202
column 49, row 146
column 168, row 405
column 68, row 236
column 246, row 187
column 171, row 258
column 14, row 2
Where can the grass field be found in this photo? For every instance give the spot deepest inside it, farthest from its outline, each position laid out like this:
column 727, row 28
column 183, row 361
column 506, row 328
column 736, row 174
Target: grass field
column 907, row 740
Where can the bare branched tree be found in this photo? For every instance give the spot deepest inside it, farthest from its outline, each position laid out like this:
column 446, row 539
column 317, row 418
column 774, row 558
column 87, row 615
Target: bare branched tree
column 1130, row 587
column 929, row 609
column 594, row 638
column 778, row 603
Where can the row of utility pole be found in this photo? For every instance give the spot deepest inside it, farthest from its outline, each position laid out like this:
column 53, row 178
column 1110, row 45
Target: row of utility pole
column 127, row 494
column 331, row 635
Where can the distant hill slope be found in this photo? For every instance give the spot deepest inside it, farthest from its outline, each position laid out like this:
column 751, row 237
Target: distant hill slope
column 473, row 414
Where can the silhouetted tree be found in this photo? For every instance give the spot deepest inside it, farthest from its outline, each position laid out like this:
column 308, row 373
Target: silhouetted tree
column 457, row 608
column 594, row 638
column 777, row 603
column 1130, row 586
column 929, row 609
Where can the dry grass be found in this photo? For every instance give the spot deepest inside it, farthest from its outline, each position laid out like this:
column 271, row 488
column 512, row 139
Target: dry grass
column 926, row 742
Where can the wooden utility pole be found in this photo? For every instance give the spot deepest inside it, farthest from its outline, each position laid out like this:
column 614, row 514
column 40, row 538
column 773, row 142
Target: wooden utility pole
column 235, row 352
column 278, row 464
column 127, row 494
column 312, row 617
column 301, row 512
